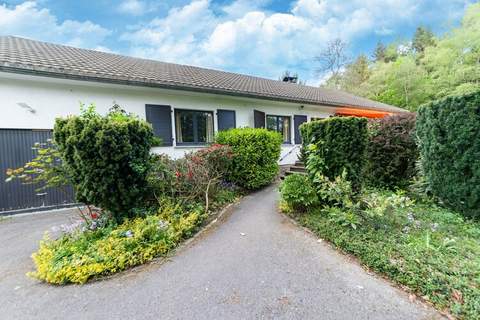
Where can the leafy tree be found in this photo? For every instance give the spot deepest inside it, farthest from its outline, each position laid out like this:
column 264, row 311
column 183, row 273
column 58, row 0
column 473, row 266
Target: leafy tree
column 355, row 74
column 380, row 52
column 422, row 39
column 412, row 73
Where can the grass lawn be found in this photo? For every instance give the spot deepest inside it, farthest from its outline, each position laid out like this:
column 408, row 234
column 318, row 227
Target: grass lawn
column 431, row 250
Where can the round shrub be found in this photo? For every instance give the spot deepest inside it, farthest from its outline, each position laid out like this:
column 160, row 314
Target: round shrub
column 297, row 191
column 449, row 142
column 392, row 151
column 340, row 143
column 107, row 158
column 255, row 156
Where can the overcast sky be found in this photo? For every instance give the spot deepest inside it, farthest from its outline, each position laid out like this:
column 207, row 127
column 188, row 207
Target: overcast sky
column 261, row 37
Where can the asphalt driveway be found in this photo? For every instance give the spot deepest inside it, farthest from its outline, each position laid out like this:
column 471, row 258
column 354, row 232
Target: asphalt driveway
column 254, row 265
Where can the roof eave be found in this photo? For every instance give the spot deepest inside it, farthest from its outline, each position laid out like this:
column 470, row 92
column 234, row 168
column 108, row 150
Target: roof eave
column 180, row 87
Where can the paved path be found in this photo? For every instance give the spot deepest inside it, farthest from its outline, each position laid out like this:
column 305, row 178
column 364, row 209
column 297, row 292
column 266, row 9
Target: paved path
column 274, row 271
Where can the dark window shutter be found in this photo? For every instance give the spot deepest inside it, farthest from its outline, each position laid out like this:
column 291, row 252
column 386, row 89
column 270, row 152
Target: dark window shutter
column 297, row 121
column 161, row 119
column 226, row 119
column 258, row 119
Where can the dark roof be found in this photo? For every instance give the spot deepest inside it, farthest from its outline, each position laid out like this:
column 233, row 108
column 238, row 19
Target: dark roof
column 21, row 55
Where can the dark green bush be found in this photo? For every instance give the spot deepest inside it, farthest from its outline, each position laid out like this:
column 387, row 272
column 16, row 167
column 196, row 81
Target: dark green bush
column 340, row 143
column 297, row 191
column 107, row 158
column 449, row 142
column 392, row 151
column 255, row 155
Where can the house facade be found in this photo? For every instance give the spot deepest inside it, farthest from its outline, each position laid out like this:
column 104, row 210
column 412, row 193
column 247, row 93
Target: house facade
column 186, row 105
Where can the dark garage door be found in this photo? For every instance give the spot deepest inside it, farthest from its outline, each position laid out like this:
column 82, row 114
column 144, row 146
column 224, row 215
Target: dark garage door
column 15, row 151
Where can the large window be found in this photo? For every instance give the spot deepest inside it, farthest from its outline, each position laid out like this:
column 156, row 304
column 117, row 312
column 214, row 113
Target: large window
column 280, row 124
column 193, row 127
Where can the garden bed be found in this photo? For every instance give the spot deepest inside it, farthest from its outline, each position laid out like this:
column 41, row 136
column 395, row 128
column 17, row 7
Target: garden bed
column 431, row 250
column 80, row 255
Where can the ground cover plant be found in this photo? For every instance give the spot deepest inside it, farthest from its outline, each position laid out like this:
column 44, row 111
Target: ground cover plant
column 431, row 250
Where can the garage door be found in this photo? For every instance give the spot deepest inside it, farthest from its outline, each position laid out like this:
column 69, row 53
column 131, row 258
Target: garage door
column 15, row 151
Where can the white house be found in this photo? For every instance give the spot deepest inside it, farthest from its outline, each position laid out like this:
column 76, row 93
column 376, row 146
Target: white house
column 186, row 105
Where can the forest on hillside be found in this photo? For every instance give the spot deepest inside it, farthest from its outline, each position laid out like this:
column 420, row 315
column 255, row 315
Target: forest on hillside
column 408, row 74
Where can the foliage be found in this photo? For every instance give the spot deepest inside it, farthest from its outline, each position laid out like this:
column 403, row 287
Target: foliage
column 431, row 250
column 297, row 191
column 255, row 156
column 424, row 69
column 337, row 144
column 449, row 143
column 79, row 256
column 45, row 168
column 193, row 178
column 106, row 157
column 392, row 151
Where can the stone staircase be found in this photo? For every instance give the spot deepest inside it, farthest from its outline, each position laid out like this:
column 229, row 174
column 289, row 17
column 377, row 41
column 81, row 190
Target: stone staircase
column 297, row 168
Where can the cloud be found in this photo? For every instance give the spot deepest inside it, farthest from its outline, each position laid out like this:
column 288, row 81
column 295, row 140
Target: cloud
column 28, row 20
column 243, row 37
column 133, row 7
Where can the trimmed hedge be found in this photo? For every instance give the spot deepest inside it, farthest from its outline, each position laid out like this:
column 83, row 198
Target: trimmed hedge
column 107, row 158
column 449, row 141
column 341, row 142
column 255, row 155
column 392, row 151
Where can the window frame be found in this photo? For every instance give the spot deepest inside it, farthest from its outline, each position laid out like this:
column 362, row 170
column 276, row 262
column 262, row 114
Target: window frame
column 176, row 111
column 277, row 116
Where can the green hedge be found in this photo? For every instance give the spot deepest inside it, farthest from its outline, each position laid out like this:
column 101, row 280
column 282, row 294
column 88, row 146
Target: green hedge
column 392, row 151
column 107, row 158
column 255, row 155
column 449, row 141
column 341, row 142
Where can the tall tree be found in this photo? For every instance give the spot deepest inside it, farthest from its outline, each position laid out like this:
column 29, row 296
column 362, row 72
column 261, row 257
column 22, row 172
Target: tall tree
column 380, row 52
column 355, row 75
column 333, row 60
column 422, row 39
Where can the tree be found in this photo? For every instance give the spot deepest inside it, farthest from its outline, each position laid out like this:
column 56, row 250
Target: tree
column 333, row 60
column 422, row 39
column 355, row 75
column 380, row 52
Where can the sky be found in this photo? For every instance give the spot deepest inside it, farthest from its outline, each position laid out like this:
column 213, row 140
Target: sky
column 260, row 37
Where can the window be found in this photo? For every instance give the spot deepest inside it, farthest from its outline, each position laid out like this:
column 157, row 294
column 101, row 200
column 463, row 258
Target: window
column 193, row 127
column 280, row 124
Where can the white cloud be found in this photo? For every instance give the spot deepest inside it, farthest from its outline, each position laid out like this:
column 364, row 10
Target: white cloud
column 133, row 7
column 28, row 20
column 248, row 39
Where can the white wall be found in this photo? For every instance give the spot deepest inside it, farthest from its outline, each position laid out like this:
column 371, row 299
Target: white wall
column 51, row 98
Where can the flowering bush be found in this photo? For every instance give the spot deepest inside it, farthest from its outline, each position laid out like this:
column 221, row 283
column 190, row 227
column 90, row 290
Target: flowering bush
column 192, row 178
column 79, row 255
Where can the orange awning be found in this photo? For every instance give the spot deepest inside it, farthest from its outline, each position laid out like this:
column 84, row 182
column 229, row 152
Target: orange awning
column 362, row 113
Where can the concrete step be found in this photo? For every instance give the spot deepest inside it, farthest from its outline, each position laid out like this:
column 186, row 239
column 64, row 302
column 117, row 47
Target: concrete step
column 287, row 173
column 299, row 164
column 297, row 169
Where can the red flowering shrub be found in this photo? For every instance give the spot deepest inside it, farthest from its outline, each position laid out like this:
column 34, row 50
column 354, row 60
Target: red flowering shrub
column 194, row 177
